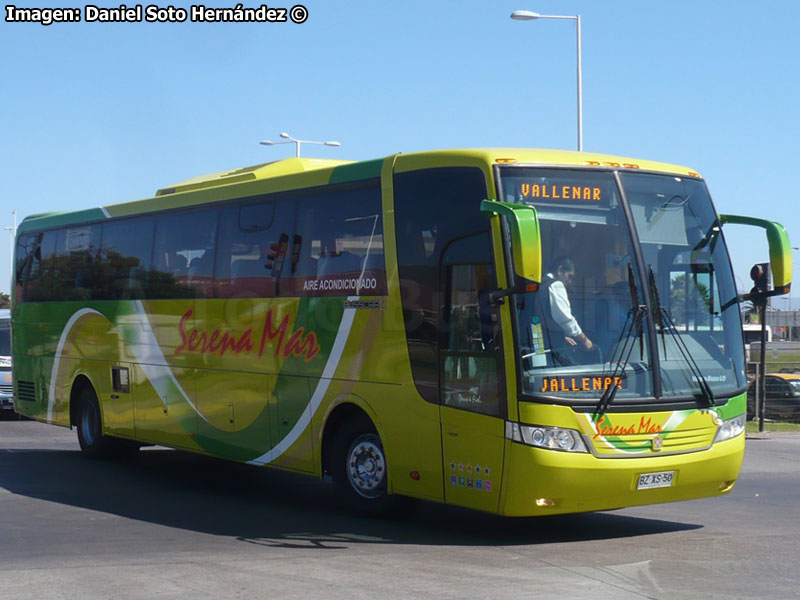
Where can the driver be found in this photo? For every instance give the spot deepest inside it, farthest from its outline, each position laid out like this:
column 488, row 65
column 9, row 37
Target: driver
column 565, row 333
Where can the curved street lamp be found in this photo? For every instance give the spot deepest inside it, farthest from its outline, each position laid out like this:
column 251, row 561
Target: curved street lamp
column 528, row 15
column 290, row 140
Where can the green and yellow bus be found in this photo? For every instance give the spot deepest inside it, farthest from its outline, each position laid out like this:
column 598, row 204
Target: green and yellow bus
column 397, row 327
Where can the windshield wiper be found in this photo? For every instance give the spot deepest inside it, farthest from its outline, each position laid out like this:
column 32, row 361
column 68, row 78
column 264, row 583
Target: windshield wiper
column 625, row 343
column 666, row 324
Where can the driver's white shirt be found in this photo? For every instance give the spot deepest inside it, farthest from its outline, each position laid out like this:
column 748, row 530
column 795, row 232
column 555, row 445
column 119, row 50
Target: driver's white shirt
column 561, row 309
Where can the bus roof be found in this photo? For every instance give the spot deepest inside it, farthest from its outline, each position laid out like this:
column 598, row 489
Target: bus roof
column 294, row 173
column 544, row 157
column 263, row 171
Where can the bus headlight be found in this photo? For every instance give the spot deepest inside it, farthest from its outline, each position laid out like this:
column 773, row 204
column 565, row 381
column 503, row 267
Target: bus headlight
column 730, row 428
column 551, row 438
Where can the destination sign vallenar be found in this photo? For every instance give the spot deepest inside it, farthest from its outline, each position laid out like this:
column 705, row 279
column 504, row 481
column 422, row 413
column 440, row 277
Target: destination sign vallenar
column 545, row 191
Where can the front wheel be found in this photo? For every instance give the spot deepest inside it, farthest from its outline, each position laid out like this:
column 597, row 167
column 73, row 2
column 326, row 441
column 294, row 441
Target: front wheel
column 366, row 466
column 360, row 469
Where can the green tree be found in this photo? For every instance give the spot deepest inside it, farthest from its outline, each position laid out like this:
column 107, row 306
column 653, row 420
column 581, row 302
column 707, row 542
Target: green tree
column 5, row 300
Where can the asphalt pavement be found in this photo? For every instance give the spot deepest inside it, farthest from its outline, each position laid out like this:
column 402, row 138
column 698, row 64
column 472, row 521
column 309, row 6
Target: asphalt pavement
column 173, row 525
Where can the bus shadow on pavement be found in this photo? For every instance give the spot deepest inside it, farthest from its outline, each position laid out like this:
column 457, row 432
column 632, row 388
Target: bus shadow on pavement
column 277, row 509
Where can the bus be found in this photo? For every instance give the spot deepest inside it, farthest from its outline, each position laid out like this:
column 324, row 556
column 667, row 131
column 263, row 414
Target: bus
column 752, row 333
column 387, row 326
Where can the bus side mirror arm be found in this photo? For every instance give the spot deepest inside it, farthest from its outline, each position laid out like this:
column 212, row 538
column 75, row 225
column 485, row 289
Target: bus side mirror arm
column 497, row 297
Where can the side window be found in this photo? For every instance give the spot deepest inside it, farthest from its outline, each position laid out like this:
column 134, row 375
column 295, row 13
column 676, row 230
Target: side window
column 469, row 361
column 183, row 255
column 39, row 281
column 337, row 249
column 24, row 262
column 126, row 253
column 432, row 207
column 253, row 249
column 776, row 387
column 78, row 263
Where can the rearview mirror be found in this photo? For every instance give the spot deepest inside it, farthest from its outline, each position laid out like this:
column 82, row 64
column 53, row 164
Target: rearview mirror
column 780, row 252
column 526, row 243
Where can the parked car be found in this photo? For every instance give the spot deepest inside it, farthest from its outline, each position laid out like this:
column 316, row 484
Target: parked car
column 6, row 382
column 782, row 397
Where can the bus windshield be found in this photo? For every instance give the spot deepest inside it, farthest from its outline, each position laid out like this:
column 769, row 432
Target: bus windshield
column 636, row 276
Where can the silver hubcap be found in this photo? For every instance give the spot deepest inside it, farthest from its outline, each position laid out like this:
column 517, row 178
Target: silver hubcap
column 366, row 467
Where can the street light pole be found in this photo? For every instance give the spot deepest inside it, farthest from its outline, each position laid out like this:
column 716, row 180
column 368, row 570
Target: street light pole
column 527, row 15
column 12, row 234
column 580, row 87
column 296, row 142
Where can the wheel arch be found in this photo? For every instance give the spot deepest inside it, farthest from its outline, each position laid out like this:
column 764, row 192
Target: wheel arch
column 79, row 384
column 344, row 410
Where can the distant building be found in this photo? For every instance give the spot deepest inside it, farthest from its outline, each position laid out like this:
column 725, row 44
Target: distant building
column 785, row 324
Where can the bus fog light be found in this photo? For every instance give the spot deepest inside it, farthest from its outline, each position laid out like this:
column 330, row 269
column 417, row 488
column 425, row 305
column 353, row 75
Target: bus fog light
column 551, row 438
column 545, row 502
column 730, row 428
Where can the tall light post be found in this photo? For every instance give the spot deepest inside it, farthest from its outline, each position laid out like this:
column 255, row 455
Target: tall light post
column 527, row 15
column 12, row 234
column 290, row 140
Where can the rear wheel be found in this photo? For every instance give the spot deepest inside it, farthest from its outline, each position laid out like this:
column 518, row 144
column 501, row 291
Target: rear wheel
column 90, row 429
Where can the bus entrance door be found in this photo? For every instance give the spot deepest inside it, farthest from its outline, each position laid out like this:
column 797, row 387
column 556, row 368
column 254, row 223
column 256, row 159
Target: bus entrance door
column 473, row 458
column 471, row 408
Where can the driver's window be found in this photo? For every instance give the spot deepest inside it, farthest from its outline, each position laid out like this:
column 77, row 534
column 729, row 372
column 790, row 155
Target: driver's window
column 469, row 360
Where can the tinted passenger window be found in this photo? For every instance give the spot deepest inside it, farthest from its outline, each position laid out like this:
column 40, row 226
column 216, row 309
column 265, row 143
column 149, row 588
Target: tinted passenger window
column 76, row 263
column 25, row 259
column 338, row 246
column 38, row 282
column 183, row 255
column 253, row 248
column 126, row 250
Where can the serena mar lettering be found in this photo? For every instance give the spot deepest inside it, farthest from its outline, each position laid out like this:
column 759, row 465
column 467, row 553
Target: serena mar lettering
column 219, row 342
column 645, row 426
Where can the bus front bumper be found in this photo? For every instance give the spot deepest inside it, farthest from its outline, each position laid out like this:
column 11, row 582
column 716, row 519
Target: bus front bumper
column 543, row 482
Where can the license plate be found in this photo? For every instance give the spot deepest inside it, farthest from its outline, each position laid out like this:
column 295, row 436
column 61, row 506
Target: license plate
column 655, row 480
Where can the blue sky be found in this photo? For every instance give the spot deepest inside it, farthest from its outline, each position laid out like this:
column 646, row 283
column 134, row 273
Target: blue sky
column 99, row 113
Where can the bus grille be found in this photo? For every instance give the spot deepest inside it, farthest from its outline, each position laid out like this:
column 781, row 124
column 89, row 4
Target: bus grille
column 26, row 390
column 673, row 442
column 6, row 388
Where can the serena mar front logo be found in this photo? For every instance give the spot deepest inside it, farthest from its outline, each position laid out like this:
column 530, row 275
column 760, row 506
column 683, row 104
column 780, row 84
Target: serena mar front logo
column 645, row 426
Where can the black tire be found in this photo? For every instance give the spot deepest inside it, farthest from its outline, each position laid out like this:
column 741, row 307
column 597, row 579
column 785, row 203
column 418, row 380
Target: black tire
column 90, row 428
column 359, row 468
